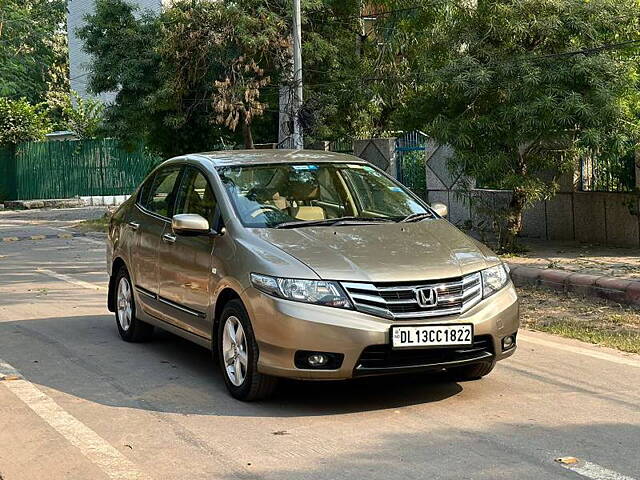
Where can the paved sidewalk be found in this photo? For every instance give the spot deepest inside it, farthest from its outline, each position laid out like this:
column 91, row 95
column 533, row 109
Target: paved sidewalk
column 594, row 271
column 580, row 258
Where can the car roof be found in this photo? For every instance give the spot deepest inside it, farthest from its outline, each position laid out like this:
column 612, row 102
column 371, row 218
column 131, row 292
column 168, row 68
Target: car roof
column 246, row 157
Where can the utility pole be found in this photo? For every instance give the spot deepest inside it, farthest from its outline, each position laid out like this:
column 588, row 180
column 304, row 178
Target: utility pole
column 297, row 137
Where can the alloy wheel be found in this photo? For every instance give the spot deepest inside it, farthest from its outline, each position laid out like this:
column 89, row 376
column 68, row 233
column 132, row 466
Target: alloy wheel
column 234, row 350
column 125, row 304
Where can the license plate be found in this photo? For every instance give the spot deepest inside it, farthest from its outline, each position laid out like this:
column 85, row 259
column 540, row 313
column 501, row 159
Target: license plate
column 450, row 335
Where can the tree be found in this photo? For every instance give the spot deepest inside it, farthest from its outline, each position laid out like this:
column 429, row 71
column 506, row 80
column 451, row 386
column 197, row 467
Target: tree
column 204, row 72
column 218, row 52
column 356, row 72
column 33, row 57
column 21, row 121
column 82, row 116
column 521, row 89
column 186, row 79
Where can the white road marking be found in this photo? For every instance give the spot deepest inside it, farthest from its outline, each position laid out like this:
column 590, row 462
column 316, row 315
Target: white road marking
column 632, row 362
column 73, row 281
column 96, row 449
column 595, row 472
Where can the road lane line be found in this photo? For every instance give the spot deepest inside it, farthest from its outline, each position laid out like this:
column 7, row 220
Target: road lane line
column 73, row 281
column 632, row 362
column 96, row 449
column 595, row 471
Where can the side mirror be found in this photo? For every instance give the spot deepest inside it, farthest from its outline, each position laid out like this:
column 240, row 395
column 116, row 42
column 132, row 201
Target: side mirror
column 440, row 208
column 190, row 223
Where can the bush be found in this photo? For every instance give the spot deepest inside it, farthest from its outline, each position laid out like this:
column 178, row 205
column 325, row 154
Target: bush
column 21, row 121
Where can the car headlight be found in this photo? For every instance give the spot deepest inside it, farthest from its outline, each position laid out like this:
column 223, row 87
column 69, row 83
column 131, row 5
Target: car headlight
column 493, row 279
column 320, row 292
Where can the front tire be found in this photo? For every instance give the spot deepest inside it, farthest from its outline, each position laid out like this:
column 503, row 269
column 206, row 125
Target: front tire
column 238, row 355
column 130, row 328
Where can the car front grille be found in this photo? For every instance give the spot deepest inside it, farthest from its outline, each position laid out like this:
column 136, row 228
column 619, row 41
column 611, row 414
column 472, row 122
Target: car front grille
column 399, row 301
column 380, row 358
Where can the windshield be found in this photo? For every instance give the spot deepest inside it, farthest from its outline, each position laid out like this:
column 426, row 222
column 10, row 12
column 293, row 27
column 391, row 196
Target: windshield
column 274, row 194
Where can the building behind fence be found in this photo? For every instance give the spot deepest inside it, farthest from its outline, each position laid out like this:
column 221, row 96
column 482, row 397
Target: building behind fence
column 44, row 170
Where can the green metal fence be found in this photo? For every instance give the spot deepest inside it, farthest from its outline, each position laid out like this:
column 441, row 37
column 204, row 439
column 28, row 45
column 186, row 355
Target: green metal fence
column 7, row 173
column 606, row 175
column 73, row 168
column 410, row 161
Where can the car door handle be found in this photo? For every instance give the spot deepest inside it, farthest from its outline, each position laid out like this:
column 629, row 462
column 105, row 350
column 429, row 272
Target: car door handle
column 134, row 226
column 169, row 238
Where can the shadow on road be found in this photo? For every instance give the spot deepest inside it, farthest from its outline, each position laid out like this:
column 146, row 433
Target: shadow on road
column 83, row 356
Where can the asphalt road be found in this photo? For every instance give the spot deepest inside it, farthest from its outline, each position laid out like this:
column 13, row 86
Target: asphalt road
column 78, row 403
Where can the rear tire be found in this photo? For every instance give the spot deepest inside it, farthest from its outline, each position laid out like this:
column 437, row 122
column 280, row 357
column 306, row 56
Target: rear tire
column 130, row 328
column 238, row 355
column 474, row 371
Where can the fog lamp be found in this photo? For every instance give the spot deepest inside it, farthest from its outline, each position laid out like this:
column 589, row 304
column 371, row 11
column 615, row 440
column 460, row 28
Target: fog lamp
column 317, row 359
column 508, row 342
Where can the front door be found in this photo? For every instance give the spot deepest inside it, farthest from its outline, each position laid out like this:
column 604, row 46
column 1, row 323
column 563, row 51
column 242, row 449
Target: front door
column 149, row 220
column 184, row 269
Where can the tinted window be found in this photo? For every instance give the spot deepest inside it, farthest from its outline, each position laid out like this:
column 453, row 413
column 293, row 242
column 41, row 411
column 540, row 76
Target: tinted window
column 143, row 193
column 163, row 191
column 196, row 195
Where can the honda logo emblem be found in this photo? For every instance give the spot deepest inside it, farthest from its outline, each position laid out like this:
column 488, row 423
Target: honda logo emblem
column 426, row 297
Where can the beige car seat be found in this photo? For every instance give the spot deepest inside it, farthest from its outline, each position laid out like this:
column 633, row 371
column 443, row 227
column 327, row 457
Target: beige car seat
column 303, row 192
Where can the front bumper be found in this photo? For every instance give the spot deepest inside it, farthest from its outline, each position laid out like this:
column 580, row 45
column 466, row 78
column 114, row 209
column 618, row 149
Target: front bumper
column 283, row 327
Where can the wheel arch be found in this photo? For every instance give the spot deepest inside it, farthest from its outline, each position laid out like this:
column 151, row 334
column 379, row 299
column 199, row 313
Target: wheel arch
column 117, row 264
column 224, row 296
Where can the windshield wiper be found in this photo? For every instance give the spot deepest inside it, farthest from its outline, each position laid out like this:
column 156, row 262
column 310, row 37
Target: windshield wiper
column 333, row 221
column 416, row 217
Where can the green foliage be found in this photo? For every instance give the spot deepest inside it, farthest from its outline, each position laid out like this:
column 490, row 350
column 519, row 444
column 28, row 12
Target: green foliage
column 187, row 78
column 221, row 55
column 21, row 121
column 505, row 84
column 84, row 117
column 125, row 60
column 33, row 53
column 355, row 70
column 192, row 77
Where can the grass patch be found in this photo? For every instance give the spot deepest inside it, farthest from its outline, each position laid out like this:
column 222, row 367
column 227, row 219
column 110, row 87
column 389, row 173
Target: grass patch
column 588, row 319
column 95, row 224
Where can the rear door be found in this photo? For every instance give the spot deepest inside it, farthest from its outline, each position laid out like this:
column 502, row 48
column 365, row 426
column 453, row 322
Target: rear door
column 150, row 220
column 184, row 269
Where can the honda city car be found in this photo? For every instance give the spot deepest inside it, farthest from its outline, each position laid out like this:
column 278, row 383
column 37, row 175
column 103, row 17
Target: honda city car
column 307, row 265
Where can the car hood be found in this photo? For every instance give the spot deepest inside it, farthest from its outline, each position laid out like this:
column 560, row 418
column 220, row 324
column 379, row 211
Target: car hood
column 393, row 252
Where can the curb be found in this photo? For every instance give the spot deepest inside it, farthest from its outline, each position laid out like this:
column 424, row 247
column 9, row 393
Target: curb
column 76, row 202
column 619, row 290
column 41, row 237
column 48, row 203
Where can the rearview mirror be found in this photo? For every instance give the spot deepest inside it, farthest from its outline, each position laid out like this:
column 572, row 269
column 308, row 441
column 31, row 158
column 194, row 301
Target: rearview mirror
column 190, row 223
column 440, row 208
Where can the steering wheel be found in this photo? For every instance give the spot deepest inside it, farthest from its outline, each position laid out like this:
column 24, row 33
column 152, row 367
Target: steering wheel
column 258, row 210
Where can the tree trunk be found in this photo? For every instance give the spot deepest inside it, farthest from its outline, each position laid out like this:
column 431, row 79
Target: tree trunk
column 248, row 137
column 513, row 223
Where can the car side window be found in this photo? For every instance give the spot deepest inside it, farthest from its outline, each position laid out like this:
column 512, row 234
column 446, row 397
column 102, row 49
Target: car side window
column 143, row 193
column 162, row 195
column 196, row 195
